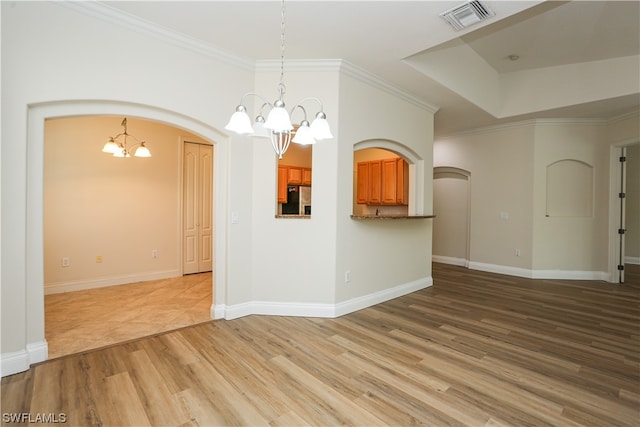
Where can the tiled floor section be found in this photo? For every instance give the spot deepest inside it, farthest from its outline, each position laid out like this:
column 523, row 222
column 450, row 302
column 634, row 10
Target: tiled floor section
column 83, row 320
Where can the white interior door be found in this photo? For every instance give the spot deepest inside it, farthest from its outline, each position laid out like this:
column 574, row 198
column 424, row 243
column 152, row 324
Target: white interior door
column 197, row 208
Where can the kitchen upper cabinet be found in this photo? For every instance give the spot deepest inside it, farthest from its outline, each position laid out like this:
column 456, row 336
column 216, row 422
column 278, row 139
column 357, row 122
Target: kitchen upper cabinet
column 375, row 183
column 291, row 175
column 295, row 175
column 402, row 182
column 362, row 187
column 283, row 175
column 306, row 176
column 383, row 182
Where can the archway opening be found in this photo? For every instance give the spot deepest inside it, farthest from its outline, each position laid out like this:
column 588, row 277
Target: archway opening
column 38, row 114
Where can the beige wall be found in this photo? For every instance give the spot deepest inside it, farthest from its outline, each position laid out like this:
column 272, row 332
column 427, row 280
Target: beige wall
column 575, row 242
column 116, row 208
column 508, row 168
column 501, row 180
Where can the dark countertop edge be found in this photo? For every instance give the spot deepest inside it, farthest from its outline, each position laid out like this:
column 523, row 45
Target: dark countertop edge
column 367, row 217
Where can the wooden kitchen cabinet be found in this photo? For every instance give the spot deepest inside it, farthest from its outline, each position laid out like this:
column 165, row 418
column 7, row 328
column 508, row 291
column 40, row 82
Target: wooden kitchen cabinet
column 383, row 182
column 295, row 175
column 362, row 186
column 375, row 183
column 306, row 176
column 283, row 176
column 291, row 175
column 402, row 182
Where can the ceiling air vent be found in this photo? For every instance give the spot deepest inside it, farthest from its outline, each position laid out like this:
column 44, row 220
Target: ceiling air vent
column 467, row 14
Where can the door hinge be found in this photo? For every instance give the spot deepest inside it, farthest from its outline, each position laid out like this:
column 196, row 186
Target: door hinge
column 621, row 230
column 621, row 267
column 621, row 195
column 623, row 159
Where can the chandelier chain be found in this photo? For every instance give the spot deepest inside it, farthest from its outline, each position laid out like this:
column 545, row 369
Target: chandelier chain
column 281, row 88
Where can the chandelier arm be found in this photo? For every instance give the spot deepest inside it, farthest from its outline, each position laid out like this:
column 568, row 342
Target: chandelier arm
column 312, row 98
column 260, row 97
column 304, row 111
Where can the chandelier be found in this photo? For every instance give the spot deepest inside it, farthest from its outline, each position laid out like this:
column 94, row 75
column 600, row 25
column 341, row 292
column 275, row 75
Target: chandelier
column 277, row 127
column 117, row 145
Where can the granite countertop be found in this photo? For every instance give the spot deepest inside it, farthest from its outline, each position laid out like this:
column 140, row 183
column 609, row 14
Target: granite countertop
column 367, row 217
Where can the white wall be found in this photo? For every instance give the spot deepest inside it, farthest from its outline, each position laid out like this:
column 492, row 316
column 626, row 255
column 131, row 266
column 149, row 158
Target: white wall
column 60, row 62
column 392, row 252
column 52, row 58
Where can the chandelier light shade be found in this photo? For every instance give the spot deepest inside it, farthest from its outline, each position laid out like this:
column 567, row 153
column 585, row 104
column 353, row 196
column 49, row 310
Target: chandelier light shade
column 118, row 145
column 278, row 126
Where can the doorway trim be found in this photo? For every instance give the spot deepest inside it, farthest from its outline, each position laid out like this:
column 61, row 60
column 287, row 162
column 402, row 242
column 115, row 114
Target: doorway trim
column 615, row 183
column 37, row 114
column 454, row 172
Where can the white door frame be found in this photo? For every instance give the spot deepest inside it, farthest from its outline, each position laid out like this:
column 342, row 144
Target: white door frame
column 614, row 207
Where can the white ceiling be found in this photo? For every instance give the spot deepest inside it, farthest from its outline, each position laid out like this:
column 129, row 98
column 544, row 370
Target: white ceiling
column 395, row 40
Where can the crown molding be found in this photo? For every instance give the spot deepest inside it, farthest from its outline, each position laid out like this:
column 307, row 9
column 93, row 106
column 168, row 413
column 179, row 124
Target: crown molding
column 371, row 79
column 141, row 26
column 348, row 69
column 629, row 115
column 530, row 122
column 134, row 23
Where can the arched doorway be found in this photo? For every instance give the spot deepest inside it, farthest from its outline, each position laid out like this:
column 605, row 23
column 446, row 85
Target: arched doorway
column 451, row 206
column 38, row 113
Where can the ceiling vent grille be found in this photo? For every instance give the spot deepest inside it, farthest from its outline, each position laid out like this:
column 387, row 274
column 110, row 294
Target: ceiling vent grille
column 467, row 14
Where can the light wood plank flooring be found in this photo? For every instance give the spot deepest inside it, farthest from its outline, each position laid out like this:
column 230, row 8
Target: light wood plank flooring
column 83, row 320
column 475, row 349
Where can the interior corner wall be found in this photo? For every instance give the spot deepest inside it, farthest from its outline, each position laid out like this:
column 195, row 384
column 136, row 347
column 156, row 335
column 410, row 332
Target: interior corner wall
column 381, row 255
column 292, row 258
column 106, row 215
column 501, row 181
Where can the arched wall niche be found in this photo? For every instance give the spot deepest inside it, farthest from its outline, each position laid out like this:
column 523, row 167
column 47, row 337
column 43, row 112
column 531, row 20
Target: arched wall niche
column 37, row 114
column 570, row 189
column 450, row 172
column 416, row 170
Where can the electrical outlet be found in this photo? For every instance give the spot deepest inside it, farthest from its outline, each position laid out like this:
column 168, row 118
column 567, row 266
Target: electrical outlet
column 517, row 252
column 154, row 253
column 65, row 262
column 347, row 276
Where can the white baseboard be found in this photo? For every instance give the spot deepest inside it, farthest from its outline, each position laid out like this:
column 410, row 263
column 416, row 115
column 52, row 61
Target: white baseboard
column 20, row 361
column 540, row 274
column 274, row 308
column 57, row 288
column 632, row 260
column 369, row 300
column 462, row 262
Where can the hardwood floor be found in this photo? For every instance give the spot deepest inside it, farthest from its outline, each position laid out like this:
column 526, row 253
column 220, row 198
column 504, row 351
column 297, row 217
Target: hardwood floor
column 93, row 318
column 474, row 349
